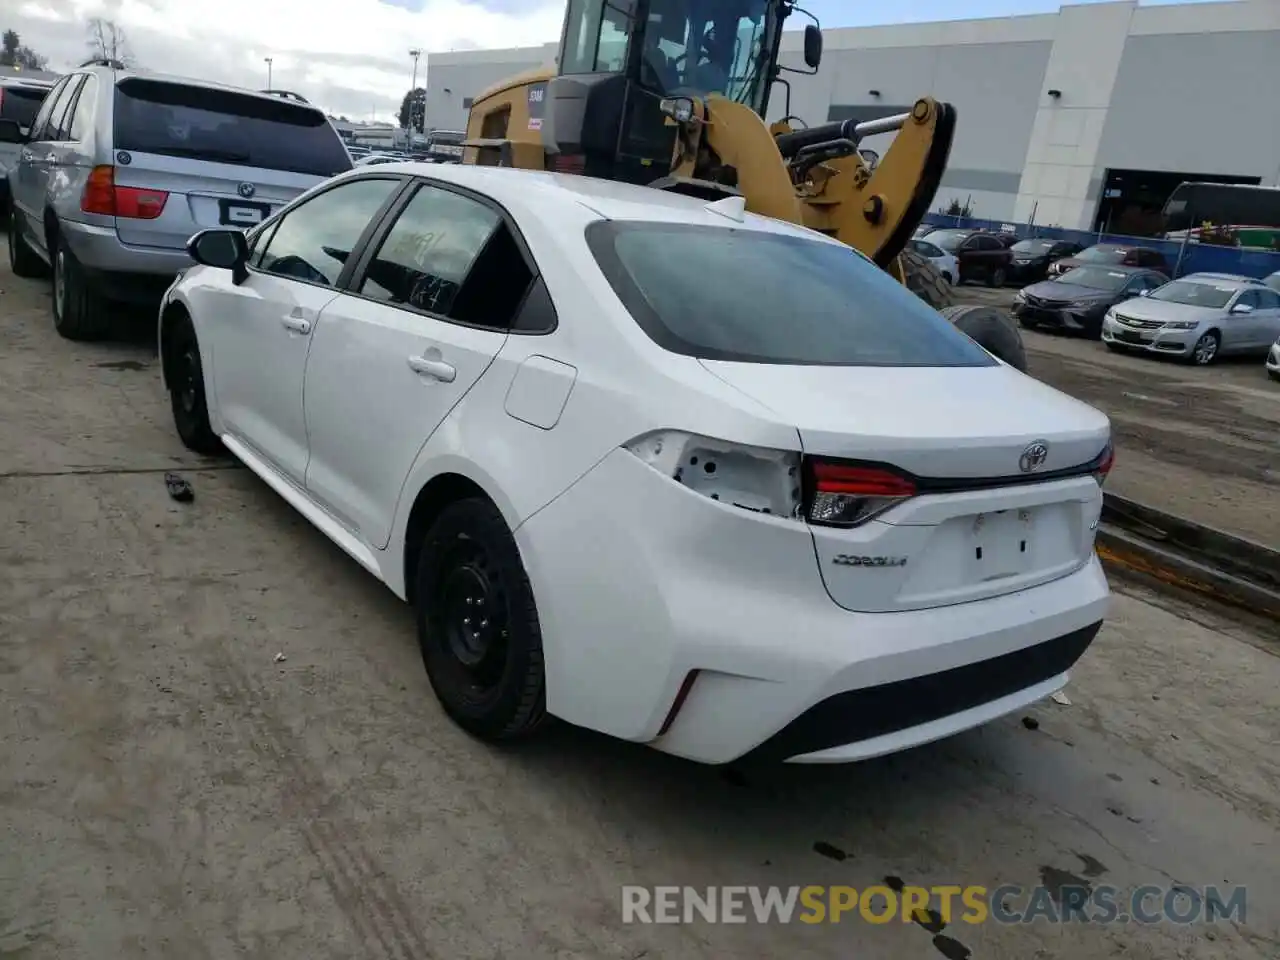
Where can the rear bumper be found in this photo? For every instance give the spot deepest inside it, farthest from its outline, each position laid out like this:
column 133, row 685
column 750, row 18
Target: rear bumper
column 1273, row 359
column 119, row 271
column 641, row 582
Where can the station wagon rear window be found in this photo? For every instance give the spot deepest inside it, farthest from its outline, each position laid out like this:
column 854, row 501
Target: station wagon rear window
column 204, row 123
column 762, row 297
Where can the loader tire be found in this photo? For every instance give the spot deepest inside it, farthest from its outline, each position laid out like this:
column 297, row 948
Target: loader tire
column 922, row 278
column 994, row 332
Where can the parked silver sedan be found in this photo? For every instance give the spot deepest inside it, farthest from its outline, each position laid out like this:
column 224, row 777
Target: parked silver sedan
column 1197, row 318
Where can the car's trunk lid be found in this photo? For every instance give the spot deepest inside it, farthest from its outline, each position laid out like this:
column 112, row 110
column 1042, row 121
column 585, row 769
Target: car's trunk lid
column 983, row 522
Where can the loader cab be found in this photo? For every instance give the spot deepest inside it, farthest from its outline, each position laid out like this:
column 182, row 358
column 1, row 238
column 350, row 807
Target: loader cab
column 601, row 115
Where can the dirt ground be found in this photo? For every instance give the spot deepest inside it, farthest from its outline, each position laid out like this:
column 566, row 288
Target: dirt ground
column 1198, row 443
column 172, row 789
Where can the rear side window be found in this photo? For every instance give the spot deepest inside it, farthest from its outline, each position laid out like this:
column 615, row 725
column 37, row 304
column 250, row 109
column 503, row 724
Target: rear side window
column 748, row 295
column 174, row 119
column 21, row 104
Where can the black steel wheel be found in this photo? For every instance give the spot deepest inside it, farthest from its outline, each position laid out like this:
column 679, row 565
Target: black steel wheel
column 478, row 624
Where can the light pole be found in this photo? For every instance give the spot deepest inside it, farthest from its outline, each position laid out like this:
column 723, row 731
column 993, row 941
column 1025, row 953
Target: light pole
column 413, row 86
column 267, row 61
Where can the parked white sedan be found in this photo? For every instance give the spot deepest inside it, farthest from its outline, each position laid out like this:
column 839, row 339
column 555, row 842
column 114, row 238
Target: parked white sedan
column 688, row 476
column 946, row 263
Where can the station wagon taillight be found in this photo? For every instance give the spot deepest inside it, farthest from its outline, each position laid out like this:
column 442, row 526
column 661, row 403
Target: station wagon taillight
column 102, row 195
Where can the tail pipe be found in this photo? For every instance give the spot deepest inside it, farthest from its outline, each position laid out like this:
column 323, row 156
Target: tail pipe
column 790, row 144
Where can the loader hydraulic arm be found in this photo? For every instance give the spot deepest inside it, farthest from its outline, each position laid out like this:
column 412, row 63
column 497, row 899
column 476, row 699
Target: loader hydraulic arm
column 873, row 211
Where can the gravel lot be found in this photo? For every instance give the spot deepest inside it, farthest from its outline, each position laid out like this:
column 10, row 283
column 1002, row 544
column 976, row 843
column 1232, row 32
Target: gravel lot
column 174, row 791
column 1199, row 443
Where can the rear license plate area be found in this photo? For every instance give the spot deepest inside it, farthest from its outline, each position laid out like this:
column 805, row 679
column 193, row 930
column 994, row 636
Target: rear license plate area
column 1001, row 544
column 242, row 213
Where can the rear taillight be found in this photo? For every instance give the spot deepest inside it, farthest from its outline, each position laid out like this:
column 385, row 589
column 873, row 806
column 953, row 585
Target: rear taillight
column 103, row 196
column 847, row 494
column 1105, row 463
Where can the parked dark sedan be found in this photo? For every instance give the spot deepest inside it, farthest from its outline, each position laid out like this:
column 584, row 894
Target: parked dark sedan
column 1032, row 258
column 1113, row 255
column 1079, row 301
column 979, row 255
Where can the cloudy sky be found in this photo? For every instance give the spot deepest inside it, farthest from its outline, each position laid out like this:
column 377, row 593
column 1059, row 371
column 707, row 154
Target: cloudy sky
column 350, row 56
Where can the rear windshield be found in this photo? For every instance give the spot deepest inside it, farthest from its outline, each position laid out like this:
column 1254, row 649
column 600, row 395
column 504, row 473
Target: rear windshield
column 746, row 295
column 21, row 104
column 948, row 240
column 177, row 120
column 1102, row 254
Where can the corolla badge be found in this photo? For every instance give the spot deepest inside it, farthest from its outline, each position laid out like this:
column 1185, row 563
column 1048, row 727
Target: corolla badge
column 246, row 190
column 1034, row 456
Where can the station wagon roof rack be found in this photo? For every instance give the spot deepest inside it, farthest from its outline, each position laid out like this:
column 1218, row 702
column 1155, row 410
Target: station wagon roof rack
column 286, row 95
column 103, row 62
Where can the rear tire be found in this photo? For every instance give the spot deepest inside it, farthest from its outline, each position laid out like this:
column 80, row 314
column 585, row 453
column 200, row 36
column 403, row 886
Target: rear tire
column 993, row 331
column 478, row 624
column 187, row 396
column 23, row 261
column 79, row 313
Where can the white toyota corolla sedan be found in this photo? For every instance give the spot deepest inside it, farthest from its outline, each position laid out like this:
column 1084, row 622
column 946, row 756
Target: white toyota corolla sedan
column 684, row 475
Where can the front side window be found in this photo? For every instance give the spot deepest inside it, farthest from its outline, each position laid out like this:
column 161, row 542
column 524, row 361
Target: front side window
column 315, row 239
column 226, row 126
column 755, row 296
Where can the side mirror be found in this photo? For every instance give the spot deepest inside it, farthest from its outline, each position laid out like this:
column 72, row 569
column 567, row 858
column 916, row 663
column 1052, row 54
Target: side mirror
column 10, row 132
column 224, row 249
column 1144, row 292
column 1242, row 308
column 812, row 46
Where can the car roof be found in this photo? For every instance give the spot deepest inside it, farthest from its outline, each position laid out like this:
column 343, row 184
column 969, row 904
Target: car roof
column 20, row 81
column 1222, row 280
column 130, row 74
column 543, row 190
column 1116, row 267
column 1210, row 275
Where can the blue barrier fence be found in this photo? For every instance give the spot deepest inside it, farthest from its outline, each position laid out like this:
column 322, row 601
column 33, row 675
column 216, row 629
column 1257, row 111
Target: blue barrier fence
column 1198, row 257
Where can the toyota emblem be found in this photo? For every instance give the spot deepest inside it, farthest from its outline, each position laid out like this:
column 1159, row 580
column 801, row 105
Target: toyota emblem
column 1034, row 456
column 246, row 190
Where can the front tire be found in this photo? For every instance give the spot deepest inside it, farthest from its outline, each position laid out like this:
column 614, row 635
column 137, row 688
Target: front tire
column 997, row 278
column 478, row 624
column 1206, row 349
column 23, row 261
column 187, row 396
column 79, row 313
column 922, row 278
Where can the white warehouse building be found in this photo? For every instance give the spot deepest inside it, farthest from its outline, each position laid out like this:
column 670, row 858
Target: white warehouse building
column 1085, row 118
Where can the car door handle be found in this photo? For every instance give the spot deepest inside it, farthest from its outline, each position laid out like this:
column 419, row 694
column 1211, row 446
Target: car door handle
column 297, row 324
column 437, row 369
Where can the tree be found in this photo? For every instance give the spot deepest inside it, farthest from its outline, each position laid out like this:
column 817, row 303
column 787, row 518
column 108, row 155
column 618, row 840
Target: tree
column 13, row 53
column 108, row 41
column 413, row 108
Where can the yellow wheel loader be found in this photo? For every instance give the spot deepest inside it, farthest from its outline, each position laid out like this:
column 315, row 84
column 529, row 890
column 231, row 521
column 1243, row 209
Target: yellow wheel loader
column 673, row 93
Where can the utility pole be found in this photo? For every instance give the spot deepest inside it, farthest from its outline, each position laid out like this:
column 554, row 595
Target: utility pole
column 413, row 86
column 267, row 61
